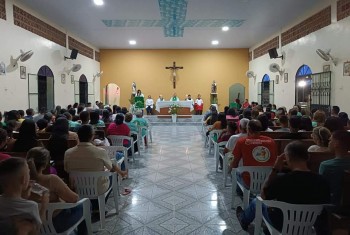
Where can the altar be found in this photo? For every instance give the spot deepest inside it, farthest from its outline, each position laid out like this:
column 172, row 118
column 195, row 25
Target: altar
column 163, row 108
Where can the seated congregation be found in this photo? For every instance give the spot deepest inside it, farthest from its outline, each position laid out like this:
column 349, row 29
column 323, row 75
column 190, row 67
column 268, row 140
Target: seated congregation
column 39, row 153
column 305, row 154
column 296, row 157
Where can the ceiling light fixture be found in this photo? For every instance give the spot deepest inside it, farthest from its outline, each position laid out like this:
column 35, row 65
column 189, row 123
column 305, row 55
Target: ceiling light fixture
column 98, row 2
column 215, row 42
column 225, row 28
column 132, row 42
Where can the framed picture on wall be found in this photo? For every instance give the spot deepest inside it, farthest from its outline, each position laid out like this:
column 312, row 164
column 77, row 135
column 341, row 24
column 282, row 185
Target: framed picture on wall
column 285, row 77
column 277, row 79
column 72, row 79
column 326, row 68
column 63, row 78
column 22, row 72
column 346, row 68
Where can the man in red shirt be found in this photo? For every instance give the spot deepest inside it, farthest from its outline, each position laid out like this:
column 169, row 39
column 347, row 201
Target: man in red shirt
column 254, row 149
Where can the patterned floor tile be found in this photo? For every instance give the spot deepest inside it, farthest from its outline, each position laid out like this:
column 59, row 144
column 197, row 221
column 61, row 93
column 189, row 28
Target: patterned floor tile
column 175, row 189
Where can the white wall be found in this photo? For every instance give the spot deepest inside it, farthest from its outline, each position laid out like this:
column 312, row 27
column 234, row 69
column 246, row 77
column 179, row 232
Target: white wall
column 303, row 51
column 13, row 90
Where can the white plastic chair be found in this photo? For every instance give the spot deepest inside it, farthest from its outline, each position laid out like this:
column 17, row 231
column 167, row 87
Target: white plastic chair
column 86, row 186
column 213, row 134
column 112, row 151
column 297, row 219
column 147, row 131
column 137, row 141
column 224, row 165
column 217, row 148
column 205, row 129
column 117, row 140
column 258, row 174
column 47, row 227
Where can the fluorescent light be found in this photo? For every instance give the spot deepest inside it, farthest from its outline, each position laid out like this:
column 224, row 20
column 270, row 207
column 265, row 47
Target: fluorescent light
column 98, row 2
column 225, row 28
column 215, row 42
column 132, row 42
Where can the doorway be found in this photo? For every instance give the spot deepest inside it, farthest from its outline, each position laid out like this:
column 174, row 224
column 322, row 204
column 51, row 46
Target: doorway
column 83, row 90
column 41, row 89
column 236, row 91
column 266, row 91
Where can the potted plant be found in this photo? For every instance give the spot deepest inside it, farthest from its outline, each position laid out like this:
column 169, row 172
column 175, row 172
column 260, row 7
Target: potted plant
column 174, row 110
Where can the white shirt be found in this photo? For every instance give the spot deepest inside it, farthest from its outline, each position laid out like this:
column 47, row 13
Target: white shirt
column 149, row 102
column 231, row 143
column 160, row 99
column 190, row 100
column 199, row 102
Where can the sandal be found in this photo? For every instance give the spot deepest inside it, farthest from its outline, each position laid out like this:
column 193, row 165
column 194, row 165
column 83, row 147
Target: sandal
column 126, row 192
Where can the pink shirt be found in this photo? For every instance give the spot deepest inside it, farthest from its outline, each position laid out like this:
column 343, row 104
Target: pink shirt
column 4, row 156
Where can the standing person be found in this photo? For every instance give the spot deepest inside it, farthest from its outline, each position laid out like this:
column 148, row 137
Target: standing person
column 198, row 106
column 174, row 97
column 160, row 98
column 245, row 104
column 149, row 105
column 139, row 94
column 189, row 98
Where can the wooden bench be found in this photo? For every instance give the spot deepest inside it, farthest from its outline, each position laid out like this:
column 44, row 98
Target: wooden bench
column 71, row 143
column 40, row 135
column 284, row 135
column 315, row 159
column 282, row 143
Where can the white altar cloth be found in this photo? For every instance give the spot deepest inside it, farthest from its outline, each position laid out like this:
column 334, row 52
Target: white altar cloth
column 165, row 104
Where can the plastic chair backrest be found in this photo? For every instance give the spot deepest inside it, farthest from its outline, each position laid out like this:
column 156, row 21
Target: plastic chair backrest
column 112, row 151
column 86, row 183
column 297, row 219
column 117, row 140
column 258, row 175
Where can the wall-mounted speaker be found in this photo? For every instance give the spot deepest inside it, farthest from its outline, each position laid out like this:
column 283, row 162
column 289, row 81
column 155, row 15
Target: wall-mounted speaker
column 273, row 53
column 74, row 54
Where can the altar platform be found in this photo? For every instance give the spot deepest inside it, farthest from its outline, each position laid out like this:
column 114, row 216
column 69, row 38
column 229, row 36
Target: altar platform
column 193, row 120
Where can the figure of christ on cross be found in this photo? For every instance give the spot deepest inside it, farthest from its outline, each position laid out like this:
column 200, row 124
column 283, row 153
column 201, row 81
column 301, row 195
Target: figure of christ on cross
column 174, row 68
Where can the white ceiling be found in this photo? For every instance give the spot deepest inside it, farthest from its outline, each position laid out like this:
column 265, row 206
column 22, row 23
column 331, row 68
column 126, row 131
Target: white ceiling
column 262, row 18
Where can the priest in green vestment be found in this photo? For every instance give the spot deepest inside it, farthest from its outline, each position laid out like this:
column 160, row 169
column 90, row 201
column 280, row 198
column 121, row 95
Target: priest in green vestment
column 174, row 97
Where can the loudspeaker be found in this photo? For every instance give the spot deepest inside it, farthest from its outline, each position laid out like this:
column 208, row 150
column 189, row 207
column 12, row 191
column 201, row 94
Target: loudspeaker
column 273, row 53
column 74, row 54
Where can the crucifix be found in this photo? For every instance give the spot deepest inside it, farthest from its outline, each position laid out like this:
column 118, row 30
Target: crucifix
column 174, row 68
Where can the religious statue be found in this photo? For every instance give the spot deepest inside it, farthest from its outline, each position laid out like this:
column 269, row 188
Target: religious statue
column 133, row 87
column 213, row 87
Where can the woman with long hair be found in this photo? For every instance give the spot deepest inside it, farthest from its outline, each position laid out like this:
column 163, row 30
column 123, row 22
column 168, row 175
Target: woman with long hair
column 38, row 160
column 27, row 137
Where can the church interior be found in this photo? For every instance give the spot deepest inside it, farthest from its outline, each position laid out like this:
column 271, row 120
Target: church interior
column 102, row 53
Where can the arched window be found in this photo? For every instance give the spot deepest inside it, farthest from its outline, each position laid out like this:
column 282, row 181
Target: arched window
column 303, row 71
column 83, row 89
column 265, row 91
column 41, row 89
column 266, row 78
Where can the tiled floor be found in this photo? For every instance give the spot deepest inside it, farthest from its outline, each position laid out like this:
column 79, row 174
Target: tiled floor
column 175, row 189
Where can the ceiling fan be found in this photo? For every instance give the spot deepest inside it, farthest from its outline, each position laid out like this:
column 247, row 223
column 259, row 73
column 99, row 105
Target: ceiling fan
column 250, row 74
column 24, row 56
column 326, row 56
column 75, row 68
column 274, row 68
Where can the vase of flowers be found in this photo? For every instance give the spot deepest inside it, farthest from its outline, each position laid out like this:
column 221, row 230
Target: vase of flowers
column 173, row 110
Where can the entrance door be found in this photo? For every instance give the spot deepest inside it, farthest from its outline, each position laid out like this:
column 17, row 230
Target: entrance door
column 236, row 91
column 41, row 89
